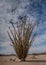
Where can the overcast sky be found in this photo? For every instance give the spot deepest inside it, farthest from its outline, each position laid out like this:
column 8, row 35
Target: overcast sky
column 13, row 9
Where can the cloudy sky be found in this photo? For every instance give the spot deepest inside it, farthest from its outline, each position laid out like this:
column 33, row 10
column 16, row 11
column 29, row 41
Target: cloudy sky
column 12, row 10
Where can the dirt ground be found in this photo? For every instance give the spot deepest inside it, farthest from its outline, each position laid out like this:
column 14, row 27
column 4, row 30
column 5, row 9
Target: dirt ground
column 30, row 60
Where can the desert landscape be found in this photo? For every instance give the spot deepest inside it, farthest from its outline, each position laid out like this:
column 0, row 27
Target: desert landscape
column 23, row 31
column 39, row 59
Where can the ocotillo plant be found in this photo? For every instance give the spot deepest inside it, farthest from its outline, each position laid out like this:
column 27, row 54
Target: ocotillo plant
column 22, row 38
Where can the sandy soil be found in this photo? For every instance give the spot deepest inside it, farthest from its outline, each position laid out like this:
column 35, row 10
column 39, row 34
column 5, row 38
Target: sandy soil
column 30, row 60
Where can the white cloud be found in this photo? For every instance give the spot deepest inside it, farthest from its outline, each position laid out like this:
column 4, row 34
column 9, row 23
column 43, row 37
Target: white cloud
column 38, row 49
column 39, row 40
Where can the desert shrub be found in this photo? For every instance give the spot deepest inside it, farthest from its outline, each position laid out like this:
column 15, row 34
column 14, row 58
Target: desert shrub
column 22, row 38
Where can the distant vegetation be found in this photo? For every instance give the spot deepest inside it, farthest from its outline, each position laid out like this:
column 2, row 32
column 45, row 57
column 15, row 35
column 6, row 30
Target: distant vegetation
column 22, row 37
column 28, row 54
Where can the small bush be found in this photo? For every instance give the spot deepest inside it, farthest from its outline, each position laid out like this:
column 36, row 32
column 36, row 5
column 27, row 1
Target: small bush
column 22, row 38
